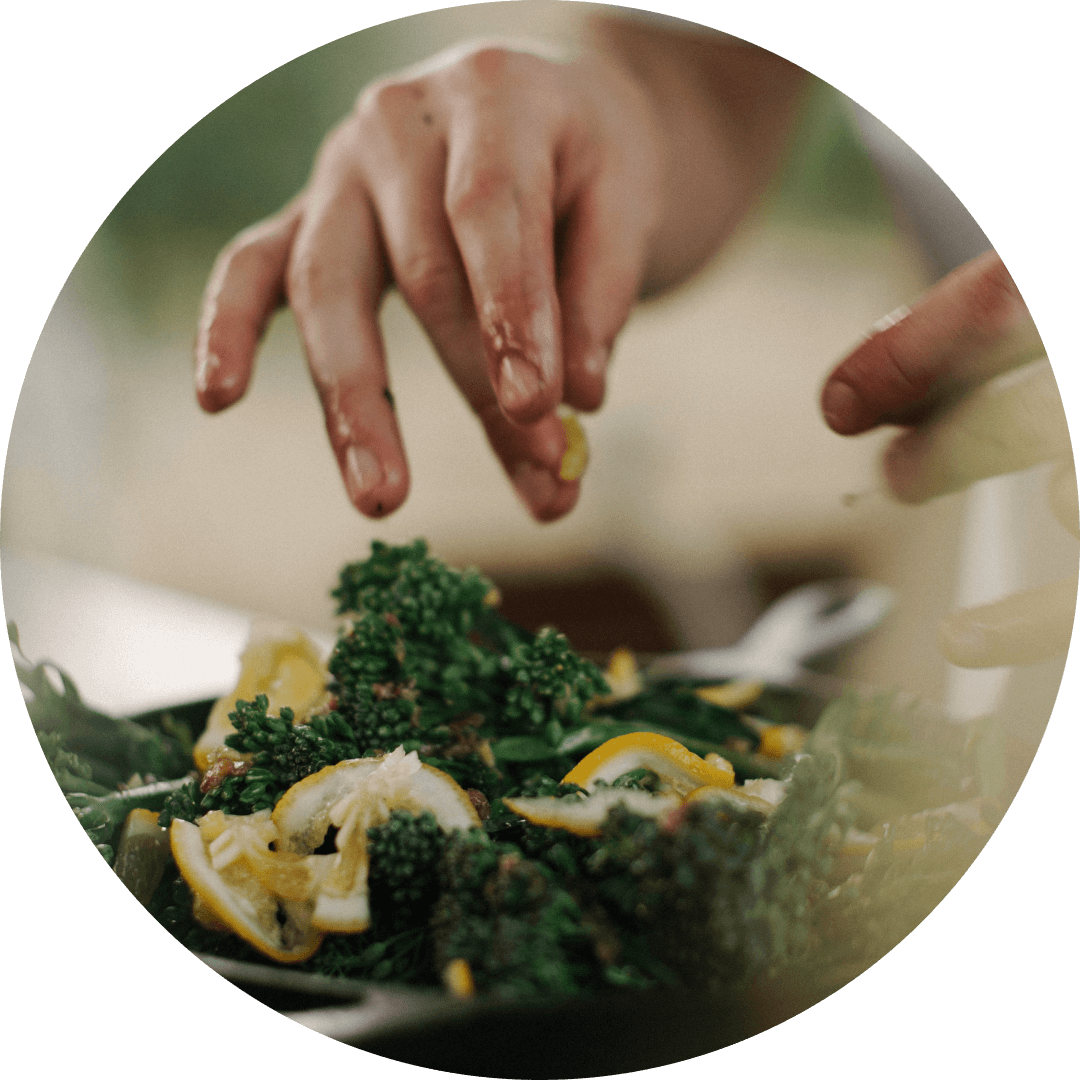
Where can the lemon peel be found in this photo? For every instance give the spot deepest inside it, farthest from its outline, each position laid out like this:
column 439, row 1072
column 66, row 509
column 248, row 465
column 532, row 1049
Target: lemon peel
column 263, row 896
column 585, row 816
column 678, row 768
column 733, row 798
column 737, row 694
column 352, row 796
column 283, row 663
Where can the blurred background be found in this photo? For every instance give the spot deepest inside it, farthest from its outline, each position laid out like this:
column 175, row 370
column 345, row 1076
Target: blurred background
column 714, row 485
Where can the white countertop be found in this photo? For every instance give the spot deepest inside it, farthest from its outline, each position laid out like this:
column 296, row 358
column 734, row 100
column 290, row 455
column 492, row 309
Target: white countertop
column 127, row 644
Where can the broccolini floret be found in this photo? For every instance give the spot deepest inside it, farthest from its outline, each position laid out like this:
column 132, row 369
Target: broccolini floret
column 427, row 664
column 278, row 753
column 511, row 920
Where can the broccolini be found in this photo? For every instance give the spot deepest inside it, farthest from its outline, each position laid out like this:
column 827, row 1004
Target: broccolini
column 707, row 897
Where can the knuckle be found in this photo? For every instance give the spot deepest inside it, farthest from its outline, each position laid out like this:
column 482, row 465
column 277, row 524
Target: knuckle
column 429, row 281
column 306, row 279
column 475, row 188
column 385, row 100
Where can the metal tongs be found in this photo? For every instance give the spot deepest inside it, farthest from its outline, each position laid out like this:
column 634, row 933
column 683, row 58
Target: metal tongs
column 802, row 624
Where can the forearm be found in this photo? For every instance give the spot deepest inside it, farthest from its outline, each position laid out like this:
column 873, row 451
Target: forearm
column 724, row 109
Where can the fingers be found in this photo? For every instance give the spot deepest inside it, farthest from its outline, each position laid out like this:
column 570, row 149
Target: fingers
column 335, row 283
column 600, row 278
column 245, row 287
column 429, row 272
column 971, row 326
column 1011, row 423
column 1022, row 629
column 533, row 456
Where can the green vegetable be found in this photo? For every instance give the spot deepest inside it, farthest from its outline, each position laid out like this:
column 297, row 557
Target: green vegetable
column 113, row 749
column 715, row 895
column 426, row 663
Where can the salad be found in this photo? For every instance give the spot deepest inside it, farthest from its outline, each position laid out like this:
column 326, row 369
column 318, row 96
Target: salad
column 452, row 802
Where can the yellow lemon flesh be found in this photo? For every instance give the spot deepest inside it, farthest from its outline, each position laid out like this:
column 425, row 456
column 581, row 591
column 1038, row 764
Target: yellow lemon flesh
column 781, row 740
column 679, row 770
column 239, row 883
column 737, row 694
column 585, row 816
column 576, row 456
column 352, row 796
column 622, row 677
column 280, row 661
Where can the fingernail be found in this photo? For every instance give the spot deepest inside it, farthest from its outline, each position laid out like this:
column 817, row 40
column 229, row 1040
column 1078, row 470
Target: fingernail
column 518, row 382
column 204, row 366
column 536, row 486
column 363, row 469
column 902, row 464
column 596, row 361
column 839, row 405
column 892, row 319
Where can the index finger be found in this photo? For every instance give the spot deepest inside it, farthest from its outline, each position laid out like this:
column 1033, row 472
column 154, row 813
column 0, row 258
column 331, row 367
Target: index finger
column 969, row 327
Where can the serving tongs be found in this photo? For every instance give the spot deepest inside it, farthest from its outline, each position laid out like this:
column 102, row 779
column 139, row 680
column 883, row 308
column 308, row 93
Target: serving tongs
column 805, row 623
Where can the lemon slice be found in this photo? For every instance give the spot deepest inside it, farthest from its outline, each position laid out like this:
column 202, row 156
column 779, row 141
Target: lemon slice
column 677, row 767
column 280, row 661
column 238, row 883
column 622, row 676
column 585, row 817
column 737, row 694
column 352, row 796
column 732, row 798
column 142, row 854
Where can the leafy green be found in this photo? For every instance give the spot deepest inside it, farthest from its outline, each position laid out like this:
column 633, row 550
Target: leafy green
column 112, row 748
column 713, row 895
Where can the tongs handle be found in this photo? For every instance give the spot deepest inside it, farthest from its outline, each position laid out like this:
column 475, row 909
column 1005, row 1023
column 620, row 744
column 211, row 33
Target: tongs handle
column 803, row 623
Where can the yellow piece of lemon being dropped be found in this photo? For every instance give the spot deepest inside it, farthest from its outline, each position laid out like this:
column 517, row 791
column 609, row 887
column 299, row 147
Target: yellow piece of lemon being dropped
column 576, row 456
column 352, row 796
column 263, row 896
column 280, row 661
column 678, row 769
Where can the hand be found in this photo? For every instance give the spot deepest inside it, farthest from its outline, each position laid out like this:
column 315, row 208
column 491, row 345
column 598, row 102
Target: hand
column 448, row 184
column 520, row 206
column 966, row 374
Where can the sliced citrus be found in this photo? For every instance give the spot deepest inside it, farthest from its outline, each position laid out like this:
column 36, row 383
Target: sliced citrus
column 737, row 694
column 585, row 816
column 142, row 854
column 622, row 676
column 280, row 661
column 678, row 768
column 732, row 798
column 352, row 796
column 781, row 740
column 263, row 896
